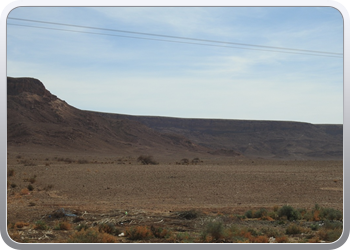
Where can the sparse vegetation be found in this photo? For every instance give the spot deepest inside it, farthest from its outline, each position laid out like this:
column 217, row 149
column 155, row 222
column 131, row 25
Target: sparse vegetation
column 185, row 161
column 216, row 228
column 160, row 232
column 147, row 160
column 82, row 161
column 66, row 160
column 91, row 235
column 40, row 225
column 138, row 233
column 63, row 225
column 189, row 215
column 279, row 223
column 294, row 229
column 108, row 228
column 289, row 213
column 213, row 231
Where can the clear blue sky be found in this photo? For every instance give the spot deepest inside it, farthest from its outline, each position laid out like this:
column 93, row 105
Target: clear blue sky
column 144, row 77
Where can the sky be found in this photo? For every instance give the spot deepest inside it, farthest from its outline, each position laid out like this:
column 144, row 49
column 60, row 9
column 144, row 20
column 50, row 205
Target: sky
column 110, row 73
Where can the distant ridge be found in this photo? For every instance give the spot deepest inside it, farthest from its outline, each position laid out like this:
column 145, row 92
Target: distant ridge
column 38, row 118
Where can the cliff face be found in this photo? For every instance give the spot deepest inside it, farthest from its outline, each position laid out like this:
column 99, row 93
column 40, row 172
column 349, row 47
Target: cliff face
column 36, row 117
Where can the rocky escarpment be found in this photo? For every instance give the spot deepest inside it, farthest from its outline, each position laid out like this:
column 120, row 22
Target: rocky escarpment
column 36, row 117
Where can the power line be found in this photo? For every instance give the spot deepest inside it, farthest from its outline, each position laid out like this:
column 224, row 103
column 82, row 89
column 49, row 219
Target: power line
column 311, row 52
column 177, row 37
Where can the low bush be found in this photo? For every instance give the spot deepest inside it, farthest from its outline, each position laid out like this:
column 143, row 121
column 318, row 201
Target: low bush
column 332, row 225
column 330, row 214
column 249, row 214
column 138, row 233
column 214, row 229
column 314, row 227
column 185, row 161
column 91, row 235
column 329, row 235
column 189, row 215
column 159, row 232
column 262, row 212
column 289, row 212
column 147, row 160
column 195, row 160
column 294, row 229
column 108, row 228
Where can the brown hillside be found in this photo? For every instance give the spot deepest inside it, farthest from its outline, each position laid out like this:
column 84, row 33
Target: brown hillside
column 266, row 139
column 36, row 118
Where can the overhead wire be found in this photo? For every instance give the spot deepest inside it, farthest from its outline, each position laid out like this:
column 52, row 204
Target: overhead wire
column 311, row 52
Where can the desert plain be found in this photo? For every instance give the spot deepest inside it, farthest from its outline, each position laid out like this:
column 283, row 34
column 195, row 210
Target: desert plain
column 111, row 185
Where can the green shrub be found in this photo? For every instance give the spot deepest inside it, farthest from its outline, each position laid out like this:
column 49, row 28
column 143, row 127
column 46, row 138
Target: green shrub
column 330, row 214
column 314, row 227
column 249, row 214
column 215, row 229
column 332, row 225
column 260, row 213
column 289, row 212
